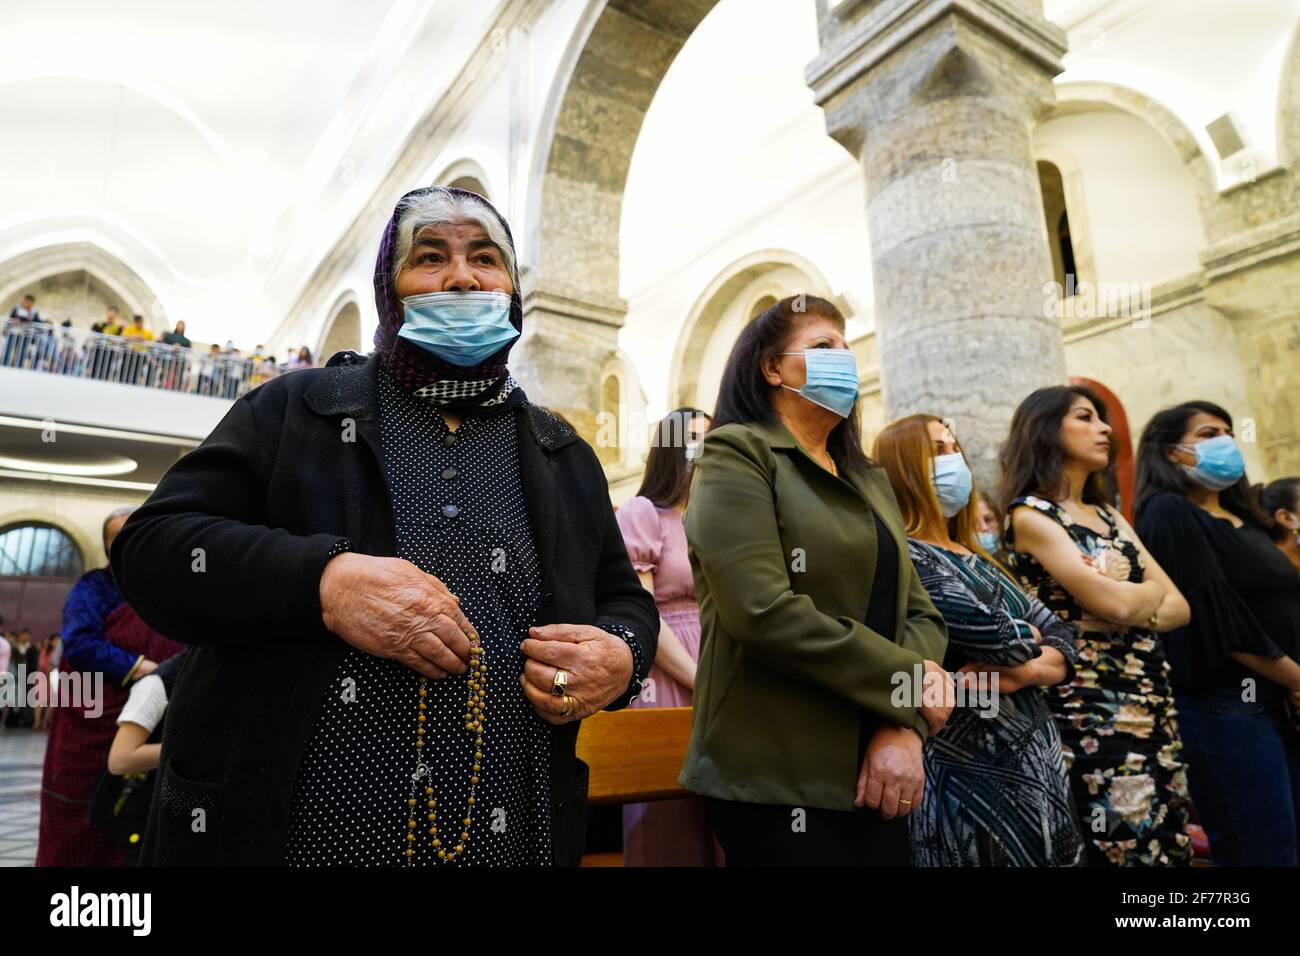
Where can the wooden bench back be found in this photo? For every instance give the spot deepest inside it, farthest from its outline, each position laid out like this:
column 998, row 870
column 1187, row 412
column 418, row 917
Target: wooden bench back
column 635, row 754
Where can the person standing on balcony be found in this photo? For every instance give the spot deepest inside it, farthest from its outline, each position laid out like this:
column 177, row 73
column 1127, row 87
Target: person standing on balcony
column 105, row 359
column 209, row 371
column 139, row 368
column 232, row 372
column 18, row 330
column 112, row 324
column 25, row 310
column 429, row 559
column 176, row 336
column 174, row 366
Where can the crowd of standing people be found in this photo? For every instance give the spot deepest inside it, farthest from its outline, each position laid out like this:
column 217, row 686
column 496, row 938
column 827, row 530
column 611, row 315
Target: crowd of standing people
column 129, row 353
column 29, row 663
column 1147, row 671
column 885, row 666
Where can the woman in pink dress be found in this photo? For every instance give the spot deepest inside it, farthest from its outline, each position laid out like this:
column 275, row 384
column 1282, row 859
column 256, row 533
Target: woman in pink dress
column 668, row 832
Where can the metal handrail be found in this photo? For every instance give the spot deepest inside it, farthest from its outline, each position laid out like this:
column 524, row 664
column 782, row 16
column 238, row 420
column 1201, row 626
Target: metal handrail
column 58, row 350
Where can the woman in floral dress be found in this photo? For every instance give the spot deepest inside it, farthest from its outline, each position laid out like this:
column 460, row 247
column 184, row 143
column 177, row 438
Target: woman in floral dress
column 1078, row 555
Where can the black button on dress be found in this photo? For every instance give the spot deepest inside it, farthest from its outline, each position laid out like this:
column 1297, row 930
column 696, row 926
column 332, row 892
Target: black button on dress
column 350, row 799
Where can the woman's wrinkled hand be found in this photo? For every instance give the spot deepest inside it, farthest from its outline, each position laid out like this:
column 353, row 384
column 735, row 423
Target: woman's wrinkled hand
column 892, row 778
column 390, row 608
column 598, row 663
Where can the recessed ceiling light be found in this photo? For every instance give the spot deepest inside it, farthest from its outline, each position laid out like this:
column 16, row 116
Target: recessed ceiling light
column 107, row 465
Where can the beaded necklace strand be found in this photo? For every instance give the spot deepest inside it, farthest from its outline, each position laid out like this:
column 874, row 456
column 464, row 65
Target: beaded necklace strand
column 475, row 711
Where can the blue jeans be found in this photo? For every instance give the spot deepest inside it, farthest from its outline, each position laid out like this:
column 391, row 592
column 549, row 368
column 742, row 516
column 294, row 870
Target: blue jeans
column 1243, row 774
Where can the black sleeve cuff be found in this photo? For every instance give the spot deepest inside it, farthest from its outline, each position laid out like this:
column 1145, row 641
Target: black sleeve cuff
column 640, row 667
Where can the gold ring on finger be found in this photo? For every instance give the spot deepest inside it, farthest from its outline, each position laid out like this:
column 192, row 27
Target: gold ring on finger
column 568, row 706
column 559, row 683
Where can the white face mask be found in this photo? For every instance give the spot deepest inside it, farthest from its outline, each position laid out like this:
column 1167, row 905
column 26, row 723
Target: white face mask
column 693, row 449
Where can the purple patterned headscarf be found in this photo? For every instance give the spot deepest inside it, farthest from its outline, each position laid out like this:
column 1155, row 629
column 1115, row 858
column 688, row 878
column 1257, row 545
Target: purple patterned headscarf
column 410, row 366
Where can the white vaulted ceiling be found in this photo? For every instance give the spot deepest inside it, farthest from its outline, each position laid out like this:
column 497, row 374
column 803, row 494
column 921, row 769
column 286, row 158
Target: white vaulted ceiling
column 204, row 143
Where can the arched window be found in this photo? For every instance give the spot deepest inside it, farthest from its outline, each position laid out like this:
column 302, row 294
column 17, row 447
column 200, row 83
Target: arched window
column 1058, row 226
column 611, row 408
column 39, row 550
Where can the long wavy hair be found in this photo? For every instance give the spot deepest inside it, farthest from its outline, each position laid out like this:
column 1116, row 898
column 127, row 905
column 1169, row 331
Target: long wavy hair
column 1156, row 473
column 906, row 452
column 667, row 478
column 745, row 397
column 1033, row 457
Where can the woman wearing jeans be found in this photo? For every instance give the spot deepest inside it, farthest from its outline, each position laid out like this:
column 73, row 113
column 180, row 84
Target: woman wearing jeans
column 1234, row 664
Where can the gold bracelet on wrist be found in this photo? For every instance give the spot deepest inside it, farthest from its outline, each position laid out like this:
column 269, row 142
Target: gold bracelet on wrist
column 134, row 667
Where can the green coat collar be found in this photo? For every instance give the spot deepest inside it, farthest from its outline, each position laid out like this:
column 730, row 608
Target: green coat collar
column 778, row 436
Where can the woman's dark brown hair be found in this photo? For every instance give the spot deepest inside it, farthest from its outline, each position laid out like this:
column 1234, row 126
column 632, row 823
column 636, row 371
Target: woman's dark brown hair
column 1284, row 495
column 1033, row 458
column 1156, row 473
column 745, row 396
column 667, row 477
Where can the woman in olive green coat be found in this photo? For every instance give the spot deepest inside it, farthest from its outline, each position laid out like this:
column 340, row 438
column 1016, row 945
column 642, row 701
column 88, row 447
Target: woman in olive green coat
column 818, row 641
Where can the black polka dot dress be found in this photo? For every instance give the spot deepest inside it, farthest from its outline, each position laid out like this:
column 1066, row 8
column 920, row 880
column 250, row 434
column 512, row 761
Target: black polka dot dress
column 459, row 514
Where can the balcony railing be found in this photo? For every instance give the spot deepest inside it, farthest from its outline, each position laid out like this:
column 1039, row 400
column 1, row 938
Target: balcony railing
column 41, row 347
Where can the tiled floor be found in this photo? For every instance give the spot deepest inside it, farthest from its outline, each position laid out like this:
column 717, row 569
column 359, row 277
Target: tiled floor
column 22, row 752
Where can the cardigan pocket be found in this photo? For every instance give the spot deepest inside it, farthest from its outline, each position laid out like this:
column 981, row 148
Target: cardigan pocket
column 189, row 819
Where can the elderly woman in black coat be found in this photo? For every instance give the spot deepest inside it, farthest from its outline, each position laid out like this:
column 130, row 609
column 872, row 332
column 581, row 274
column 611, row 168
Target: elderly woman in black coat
column 405, row 587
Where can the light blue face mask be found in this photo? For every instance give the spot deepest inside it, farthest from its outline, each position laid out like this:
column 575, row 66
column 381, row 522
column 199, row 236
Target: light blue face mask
column 831, row 380
column 462, row 328
column 952, row 483
column 1218, row 465
column 990, row 541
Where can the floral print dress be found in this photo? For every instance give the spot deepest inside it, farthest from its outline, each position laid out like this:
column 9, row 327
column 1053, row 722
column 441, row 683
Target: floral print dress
column 1117, row 718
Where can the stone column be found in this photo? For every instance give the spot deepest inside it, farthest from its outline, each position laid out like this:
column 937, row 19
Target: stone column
column 937, row 98
column 565, row 343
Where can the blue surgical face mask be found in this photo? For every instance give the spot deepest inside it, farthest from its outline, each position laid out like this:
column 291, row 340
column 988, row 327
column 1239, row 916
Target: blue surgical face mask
column 462, row 328
column 831, row 380
column 952, row 483
column 990, row 541
column 1218, row 465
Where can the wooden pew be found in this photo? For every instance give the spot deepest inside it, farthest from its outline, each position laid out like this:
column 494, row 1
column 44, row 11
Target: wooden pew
column 634, row 755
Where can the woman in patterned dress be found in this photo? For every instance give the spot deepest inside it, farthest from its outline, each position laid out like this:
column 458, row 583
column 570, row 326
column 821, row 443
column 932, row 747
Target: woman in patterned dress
column 997, row 791
column 1081, row 558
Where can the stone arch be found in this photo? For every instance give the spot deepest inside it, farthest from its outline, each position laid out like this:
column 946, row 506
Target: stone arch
column 28, row 268
column 619, row 55
column 1083, row 96
column 1288, row 105
column 607, row 78
column 465, row 174
column 742, row 276
column 342, row 329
